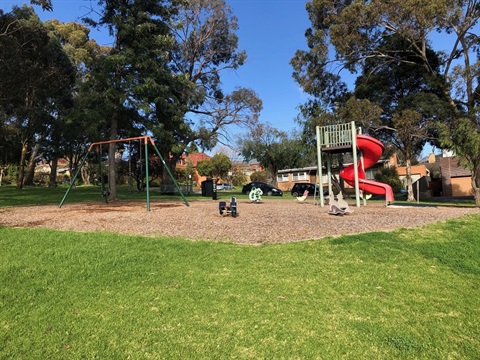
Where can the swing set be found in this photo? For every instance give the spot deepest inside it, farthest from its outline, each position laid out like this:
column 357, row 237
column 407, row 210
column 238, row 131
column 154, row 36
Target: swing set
column 145, row 140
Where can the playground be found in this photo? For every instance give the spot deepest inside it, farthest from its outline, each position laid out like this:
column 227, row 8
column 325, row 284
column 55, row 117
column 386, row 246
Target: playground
column 271, row 221
column 246, row 221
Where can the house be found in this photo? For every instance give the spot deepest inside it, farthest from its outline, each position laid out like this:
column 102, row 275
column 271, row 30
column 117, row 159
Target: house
column 456, row 179
column 248, row 168
column 43, row 170
column 418, row 173
column 286, row 178
column 194, row 158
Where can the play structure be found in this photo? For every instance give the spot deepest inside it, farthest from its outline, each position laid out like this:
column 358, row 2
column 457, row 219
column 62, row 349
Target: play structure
column 230, row 209
column 255, row 195
column 144, row 141
column 366, row 151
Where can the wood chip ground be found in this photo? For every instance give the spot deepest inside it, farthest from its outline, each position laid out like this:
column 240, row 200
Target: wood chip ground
column 271, row 221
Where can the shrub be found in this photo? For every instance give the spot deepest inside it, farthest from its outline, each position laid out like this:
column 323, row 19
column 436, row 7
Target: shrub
column 390, row 176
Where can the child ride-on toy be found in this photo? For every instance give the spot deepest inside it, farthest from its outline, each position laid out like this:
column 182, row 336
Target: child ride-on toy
column 230, row 209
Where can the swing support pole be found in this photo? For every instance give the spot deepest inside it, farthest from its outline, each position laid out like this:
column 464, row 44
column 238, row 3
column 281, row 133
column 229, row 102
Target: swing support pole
column 146, row 140
column 74, row 178
column 169, row 172
column 147, row 183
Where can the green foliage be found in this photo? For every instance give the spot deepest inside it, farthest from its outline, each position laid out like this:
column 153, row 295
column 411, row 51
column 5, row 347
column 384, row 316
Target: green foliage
column 435, row 170
column 238, row 176
column 45, row 4
column 163, row 69
column 204, row 46
column 205, row 168
column 10, row 174
column 415, row 84
column 274, row 149
column 218, row 166
column 262, row 176
column 36, row 83
column 181, row 176
column 389, row 175
column 221, row 165
column 463, row 137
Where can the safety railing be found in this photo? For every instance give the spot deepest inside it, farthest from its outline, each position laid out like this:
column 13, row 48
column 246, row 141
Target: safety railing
column 336, row 135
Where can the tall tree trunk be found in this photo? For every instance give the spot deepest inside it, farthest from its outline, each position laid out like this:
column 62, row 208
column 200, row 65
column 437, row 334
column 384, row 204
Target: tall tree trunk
column 71, row 167
column 171, row 162
column 408, row 169
column 112, row 181
column 85, row 172
column 476, row 184
column 21, row 167
column 52, row 181
column 30, row 173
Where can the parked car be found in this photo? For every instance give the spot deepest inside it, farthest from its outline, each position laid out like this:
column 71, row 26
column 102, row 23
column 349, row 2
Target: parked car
column 225, row 186
column 228, row 186
column 267, row 189
column 299, row 188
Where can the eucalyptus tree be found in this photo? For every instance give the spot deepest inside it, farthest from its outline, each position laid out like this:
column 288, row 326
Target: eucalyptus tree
column 273, row 149
column 218, row 166
column 353, row 30
column 411, row 100
column 164, row 66
column 198, row 109
column 134, row 66
column 36, row 79
column 65, row 139
column 45, row 4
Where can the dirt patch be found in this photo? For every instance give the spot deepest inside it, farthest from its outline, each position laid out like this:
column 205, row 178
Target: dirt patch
column 272, row 221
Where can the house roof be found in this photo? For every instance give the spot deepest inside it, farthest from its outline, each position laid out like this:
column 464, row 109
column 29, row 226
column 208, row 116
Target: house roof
column 196, row 157
column 307, row 168
column 451, row 166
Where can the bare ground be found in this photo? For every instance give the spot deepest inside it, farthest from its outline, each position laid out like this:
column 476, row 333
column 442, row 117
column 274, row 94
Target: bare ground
column 272, row 221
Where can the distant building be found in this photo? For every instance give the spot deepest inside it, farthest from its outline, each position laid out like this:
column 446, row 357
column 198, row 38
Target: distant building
column 417, row 171
column 456, row 179
column 194, row 158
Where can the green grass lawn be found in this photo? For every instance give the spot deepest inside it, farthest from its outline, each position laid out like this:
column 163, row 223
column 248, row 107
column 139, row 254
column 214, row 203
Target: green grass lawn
column 10, row 196
column 406, row 294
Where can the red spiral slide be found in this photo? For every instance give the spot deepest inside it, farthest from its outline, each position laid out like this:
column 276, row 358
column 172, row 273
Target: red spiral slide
column 372, row 150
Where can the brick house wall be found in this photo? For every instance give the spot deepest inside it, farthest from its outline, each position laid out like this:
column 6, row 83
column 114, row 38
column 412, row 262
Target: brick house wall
column 456, row 180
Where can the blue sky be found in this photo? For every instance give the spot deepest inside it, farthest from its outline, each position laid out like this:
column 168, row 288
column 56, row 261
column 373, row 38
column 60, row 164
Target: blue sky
column 270, row 31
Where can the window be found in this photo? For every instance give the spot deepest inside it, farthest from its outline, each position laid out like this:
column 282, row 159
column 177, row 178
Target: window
column 282, row 177
column 299, row 176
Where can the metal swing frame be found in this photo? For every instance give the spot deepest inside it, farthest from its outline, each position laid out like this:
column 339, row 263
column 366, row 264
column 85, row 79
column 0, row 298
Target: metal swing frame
column 146, row 140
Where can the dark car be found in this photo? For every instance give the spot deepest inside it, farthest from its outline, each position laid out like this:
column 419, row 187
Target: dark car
column 267, row 189
column 299, row 188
